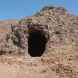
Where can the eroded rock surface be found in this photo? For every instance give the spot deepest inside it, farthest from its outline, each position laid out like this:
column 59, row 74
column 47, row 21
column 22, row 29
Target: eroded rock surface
column 60, row 59
column 60, row 26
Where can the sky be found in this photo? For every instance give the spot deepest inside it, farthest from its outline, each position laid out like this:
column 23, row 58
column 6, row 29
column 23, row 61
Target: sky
column 15, row 9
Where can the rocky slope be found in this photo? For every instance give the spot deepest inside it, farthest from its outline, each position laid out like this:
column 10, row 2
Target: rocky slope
column 63, row 27
column 6, row 24
column 62, row 58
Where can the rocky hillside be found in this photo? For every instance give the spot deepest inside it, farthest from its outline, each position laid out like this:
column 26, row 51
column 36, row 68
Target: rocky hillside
column 61, row 59
column 5, row 25
column 62, row 25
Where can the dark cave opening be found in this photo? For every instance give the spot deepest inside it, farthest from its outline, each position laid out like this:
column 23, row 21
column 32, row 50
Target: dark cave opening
column 36, row 43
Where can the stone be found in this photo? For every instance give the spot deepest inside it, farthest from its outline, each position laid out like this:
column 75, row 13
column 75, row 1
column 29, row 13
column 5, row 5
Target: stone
column 59, row 27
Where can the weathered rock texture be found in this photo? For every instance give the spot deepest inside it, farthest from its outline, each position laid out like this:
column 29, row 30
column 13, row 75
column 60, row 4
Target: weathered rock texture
column 60, row 28
column 60, row 59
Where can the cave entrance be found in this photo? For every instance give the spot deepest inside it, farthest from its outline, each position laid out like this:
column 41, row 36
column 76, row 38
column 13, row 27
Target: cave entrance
column 36, row 43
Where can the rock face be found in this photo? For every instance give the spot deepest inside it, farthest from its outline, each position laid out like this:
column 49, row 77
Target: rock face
column 50, row 37
column 58, row 27
column 30, row 36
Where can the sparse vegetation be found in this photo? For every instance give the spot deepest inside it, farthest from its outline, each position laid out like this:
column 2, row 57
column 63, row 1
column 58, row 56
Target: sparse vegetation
column 25, row 21
column 47, row 8
column 61, row 57
column 43, row 9
column 38, row 14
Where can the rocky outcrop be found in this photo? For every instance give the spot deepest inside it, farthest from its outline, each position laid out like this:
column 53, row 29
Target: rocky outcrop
column 58, row 25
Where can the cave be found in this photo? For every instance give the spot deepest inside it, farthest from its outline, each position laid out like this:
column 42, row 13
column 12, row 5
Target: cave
column 36, row 43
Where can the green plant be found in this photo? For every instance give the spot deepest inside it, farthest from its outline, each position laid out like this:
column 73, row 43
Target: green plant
column 28, row 21
column 38, row 14
column 25, row 21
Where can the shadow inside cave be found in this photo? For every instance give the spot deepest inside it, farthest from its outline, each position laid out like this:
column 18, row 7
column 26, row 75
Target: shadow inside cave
column 36, row 43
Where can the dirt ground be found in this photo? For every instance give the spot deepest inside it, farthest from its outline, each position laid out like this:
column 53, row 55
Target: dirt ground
column 61, row 63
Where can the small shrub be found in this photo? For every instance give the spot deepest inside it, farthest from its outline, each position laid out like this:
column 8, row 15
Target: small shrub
column 47, row 8
column 28, row 21
column 25, row 21
column 38, row 14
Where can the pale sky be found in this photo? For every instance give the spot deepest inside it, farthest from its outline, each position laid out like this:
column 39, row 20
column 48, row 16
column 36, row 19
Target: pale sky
column 10, row 9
